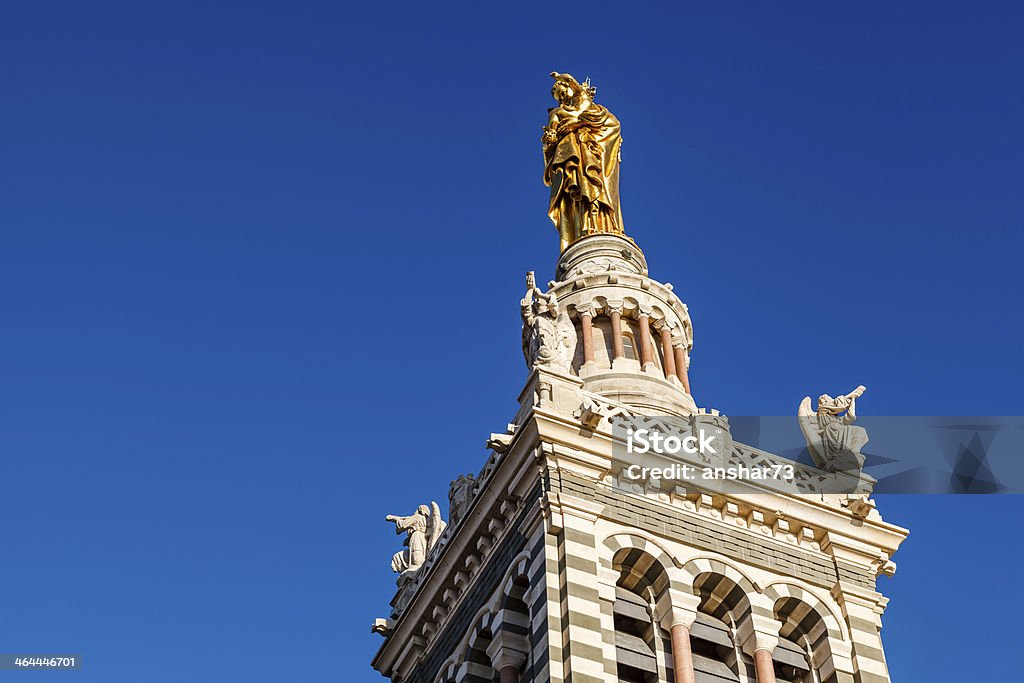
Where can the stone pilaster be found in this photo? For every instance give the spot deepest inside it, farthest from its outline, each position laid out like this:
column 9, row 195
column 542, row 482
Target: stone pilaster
column 862, row 611
column 571, row 524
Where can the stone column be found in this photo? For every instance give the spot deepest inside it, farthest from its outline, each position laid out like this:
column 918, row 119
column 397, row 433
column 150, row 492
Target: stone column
column 758, row 636
column 508, row 664
column 678, row 611
column 667, row 352
column 679, row 350
column 508, row 654
column 587, row 330
column 763, row 666
column 615, row 313
column 646, row 349
column 682, row 655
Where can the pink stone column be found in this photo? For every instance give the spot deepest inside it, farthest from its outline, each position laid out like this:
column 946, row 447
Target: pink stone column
column 682, row 655
column 616, row 315
column 587, row 330
column 681, row 372
column 667, row 352
column 644, row 322
column 764, row 667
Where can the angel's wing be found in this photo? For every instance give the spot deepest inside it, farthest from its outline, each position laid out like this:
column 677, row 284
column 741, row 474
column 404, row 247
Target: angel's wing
column 809, row 426
column 435, row 525
column 805, row 409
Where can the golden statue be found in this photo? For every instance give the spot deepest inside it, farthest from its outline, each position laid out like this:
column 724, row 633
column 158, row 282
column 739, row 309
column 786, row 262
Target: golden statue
column 581, row 162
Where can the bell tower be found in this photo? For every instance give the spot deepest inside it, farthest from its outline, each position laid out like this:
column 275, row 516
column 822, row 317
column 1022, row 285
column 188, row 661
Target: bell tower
column 559, row 564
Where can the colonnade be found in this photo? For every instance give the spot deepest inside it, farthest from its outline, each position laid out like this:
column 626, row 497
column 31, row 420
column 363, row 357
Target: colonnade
column 673, row 349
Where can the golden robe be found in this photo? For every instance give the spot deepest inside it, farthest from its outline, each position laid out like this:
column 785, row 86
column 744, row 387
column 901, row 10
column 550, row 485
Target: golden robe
column 582, row 169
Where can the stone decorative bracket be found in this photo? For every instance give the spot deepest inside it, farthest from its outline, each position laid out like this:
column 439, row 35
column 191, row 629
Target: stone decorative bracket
column 859, row 507
column 382, row 626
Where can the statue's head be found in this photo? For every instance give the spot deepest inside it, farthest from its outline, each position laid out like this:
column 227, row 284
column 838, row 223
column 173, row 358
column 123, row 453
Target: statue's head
column 824, row 399
column 567, row 90
column 423, row 510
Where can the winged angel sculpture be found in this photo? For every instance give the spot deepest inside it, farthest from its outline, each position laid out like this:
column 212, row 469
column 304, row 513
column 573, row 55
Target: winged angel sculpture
column 549, row 337
column 423, row 529
column 832, row 439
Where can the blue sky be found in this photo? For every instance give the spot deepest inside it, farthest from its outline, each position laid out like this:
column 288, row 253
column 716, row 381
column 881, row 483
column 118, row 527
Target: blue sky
column 261, row 262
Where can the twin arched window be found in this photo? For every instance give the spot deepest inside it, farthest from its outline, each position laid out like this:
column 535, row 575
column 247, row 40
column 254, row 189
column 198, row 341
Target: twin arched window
column 643, row 647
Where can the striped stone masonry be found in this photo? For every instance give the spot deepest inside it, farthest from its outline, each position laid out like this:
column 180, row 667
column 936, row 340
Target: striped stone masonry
column 562, row 572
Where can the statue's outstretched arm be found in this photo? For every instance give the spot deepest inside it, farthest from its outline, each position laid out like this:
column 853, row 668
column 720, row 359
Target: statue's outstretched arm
column 531, row 289
column 401, row 523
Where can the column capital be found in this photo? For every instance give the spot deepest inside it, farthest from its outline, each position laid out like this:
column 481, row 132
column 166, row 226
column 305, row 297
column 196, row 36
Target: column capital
column 676, row 607
column 586, row 309
column 614, row 306
column 507, row 649
column 758, row 632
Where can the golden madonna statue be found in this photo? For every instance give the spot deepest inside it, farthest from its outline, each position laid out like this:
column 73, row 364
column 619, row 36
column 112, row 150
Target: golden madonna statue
column 581, row 162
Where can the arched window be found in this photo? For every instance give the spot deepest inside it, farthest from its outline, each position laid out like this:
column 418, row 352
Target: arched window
column 642, row 648
column 803, row 642
column 476, row 663
column 628, row 346
column 635, row 655
column 601, row 335
column 793, row 662
column 716, row 652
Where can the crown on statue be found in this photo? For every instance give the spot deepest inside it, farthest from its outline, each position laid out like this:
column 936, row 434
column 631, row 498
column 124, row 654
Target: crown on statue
column 568, row 79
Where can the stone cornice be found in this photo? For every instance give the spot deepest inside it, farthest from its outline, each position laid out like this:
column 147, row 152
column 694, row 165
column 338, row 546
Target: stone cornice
column 590, row 456
column 560, row 425
column 440, row 590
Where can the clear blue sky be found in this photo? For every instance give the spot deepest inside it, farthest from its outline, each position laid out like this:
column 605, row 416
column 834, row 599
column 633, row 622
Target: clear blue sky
column 261, row 262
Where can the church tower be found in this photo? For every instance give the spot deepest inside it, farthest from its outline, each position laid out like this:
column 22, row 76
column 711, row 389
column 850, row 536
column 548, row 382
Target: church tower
column 561, row 563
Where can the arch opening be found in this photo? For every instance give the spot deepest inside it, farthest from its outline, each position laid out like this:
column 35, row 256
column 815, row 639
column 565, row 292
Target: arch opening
column 642, row 648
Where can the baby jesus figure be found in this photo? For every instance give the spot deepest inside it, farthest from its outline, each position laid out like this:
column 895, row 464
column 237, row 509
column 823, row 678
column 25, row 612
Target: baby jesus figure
column 573, row 99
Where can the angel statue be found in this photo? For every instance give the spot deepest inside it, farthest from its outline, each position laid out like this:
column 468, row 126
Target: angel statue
column 423, row 529
column 832, row 439
column 549, row 337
